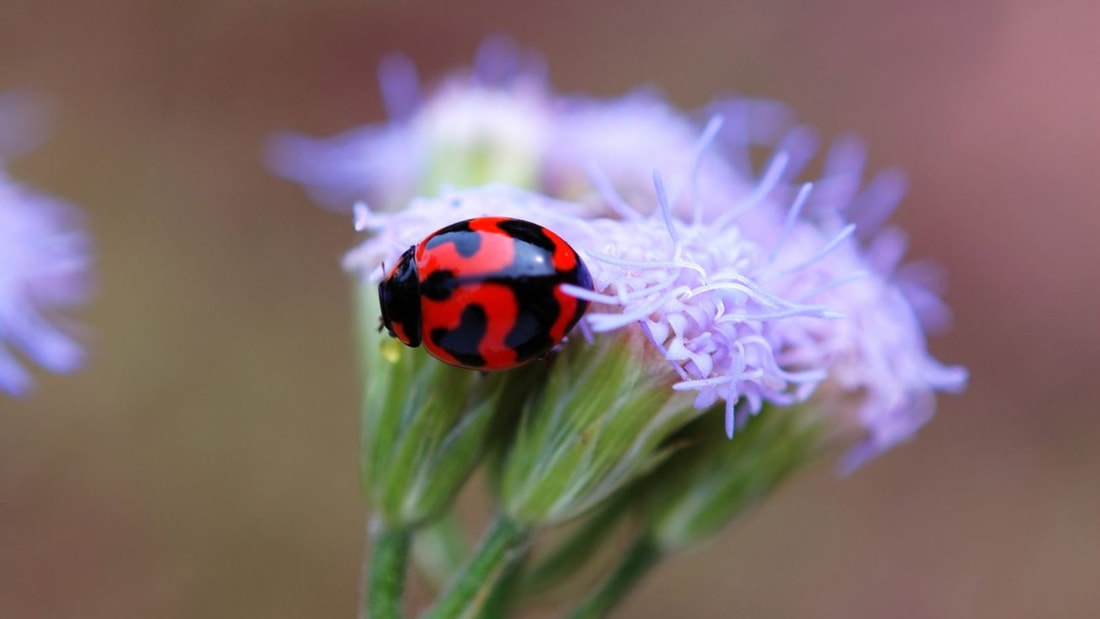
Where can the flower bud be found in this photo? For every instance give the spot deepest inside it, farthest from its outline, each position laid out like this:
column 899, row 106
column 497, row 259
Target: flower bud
column 598, row 422
column 706, row 486
column 423, row 423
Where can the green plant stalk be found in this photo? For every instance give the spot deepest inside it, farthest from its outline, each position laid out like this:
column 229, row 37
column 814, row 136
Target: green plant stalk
column 386, row 575
column 574, row 553
column 504, row 594
column 471, row 592
column 643, row 555
column 419, row 442
column 439, row 548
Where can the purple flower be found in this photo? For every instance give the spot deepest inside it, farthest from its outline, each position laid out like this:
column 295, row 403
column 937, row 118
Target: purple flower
column 44, row 269
column 800, row 313
column 755, row 289
column 881, row 375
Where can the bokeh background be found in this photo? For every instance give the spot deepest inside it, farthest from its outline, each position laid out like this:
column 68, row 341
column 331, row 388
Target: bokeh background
column 203, row 464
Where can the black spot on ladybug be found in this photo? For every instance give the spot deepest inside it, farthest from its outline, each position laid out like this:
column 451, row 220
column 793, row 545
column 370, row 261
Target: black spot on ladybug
column 466, row 244
column 463, row 341
column 529, row 233
column 534, row 251
column 439, row 286
column 530, row 335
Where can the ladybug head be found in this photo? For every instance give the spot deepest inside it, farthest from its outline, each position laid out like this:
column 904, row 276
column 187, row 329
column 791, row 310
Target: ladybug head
column 399, row 298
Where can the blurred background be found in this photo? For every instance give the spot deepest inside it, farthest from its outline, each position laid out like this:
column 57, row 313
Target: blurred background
column 204, row 463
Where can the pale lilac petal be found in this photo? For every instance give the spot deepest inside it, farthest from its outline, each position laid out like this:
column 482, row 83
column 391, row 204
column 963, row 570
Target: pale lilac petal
column 22, row 123
column 500, row 62
column 399, row 84
column 377, row 164
column 45, row 263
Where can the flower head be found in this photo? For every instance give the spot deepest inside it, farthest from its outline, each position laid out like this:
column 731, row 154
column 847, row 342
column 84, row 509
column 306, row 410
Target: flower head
column 746, row 316
column 44, row 269
column 755, row 289
column 716, row 286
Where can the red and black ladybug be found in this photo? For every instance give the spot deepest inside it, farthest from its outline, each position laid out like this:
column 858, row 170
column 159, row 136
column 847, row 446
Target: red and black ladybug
column 485, row 293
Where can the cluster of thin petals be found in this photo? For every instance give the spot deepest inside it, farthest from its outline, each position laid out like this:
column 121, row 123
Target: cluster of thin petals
column 756, row 288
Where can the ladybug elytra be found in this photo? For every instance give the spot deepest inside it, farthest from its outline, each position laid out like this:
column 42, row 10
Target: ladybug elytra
column 484, row 293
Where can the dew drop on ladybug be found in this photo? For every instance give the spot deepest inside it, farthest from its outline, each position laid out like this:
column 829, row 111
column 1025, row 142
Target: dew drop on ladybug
column 485, row 293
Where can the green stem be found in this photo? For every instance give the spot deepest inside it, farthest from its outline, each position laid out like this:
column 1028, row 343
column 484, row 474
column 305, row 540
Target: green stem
column 386, row 575
column 470, row 591
column 572, row 556
column 438, row 550
column 503, row 596
column 643, row 555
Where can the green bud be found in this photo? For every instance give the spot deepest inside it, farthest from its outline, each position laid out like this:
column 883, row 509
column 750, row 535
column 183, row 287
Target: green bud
column 706, row 486
column 598, row 421
column 424, row 424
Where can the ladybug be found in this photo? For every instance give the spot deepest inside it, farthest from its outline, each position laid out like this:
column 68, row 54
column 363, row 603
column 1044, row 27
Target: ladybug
column 484, row 293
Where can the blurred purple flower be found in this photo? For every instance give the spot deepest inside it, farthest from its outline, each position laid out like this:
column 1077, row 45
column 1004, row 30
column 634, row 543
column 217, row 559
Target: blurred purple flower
column 501, row 103
column 881, row 378
column 881, row 371
column 44, row 264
